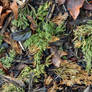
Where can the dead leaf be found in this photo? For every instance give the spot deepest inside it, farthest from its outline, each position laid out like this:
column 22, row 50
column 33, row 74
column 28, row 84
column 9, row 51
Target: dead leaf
column 74, row 7
column 53, row 88
column 33, row 25
column 14, row 8
column 33, row 49
column 60, row 18
column 14, row 44
column 60, row 2
column 3, row 16
column 56, row 60
column 62, row 53
column 77, row 44
column 88, row 6
column 5, row 3
column 54, row 39
column 48, row 80
column 3, row 68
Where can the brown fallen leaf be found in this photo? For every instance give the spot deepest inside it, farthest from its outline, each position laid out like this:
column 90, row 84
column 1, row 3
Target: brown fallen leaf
column 3, row 16
column 54, row 39
column 16, row 82
column 14, row 8
column 33, row 25
column 60, row 2
column 5, row 4
column 48, row 80
column 53, row 88
column 60, row 18
column 33, row 49
column 3, row 68
column 74, row 7
column 62, row 53
column 56, row 60
column 14, row 44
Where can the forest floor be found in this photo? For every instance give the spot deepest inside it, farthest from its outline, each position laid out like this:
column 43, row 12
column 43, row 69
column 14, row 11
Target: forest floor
column 45, row 46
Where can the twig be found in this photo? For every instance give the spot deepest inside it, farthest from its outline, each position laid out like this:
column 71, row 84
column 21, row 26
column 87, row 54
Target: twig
column 18, row 83
column 48, row 17
column 21, row 45
column 30, row 89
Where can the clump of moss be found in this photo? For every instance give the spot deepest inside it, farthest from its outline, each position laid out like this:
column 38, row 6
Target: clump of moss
column 25, row 74
column 44, row 32
column 11, row 88
column 83, row 39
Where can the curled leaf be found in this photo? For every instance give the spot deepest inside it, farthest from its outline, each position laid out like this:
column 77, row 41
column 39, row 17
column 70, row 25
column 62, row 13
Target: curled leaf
column 56, row 60
column 21, row 35
column 33, row 25
column 74, row 7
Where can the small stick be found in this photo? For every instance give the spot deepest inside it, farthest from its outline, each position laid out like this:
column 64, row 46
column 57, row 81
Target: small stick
column 30, row 89
column 21, row 45
column 48, row 17
column 18, row 83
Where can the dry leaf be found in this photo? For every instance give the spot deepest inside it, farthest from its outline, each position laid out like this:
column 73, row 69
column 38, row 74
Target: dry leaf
column 60, row 18
column 33, row 49
column 53, row 89
column 54, row 39
column 14, row 44
column 48, row 80
column 5, row 3
column 33, row 25
column 62, row 53
column 56, row 60
column 60, row 2
column 4, row 69
column 3, row 16
column 77, row 44
column 14, row 8
column 74, row 7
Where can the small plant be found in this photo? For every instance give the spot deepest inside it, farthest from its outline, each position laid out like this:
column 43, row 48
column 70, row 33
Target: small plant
column 83, row 35
column 43, row 35
column 44, row 32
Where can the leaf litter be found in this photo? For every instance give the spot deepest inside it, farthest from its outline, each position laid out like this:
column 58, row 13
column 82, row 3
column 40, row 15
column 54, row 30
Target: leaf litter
column 40, row 48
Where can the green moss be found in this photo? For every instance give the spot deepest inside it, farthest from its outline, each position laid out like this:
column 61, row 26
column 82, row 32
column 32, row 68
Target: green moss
column 11, row 88
column 25, row 74
column 22, row 21
column 83, row 34
column 44, row 32
column 6, row 61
